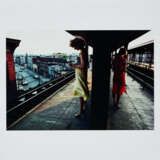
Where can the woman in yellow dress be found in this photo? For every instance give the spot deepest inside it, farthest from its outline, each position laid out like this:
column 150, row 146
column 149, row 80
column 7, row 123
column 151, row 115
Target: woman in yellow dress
column 80, row 86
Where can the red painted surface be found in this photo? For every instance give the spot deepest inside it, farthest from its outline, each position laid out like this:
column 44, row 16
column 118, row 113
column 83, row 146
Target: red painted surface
column 119, row 64
column 11, row 67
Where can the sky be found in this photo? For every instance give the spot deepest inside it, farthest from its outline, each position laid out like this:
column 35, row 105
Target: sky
column 52, row 41
column 43, row 42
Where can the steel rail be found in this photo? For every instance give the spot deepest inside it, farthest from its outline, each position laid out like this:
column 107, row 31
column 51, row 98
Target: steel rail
column 54, row 85
column 142, row 74
column 21, row 109
column 142, row 81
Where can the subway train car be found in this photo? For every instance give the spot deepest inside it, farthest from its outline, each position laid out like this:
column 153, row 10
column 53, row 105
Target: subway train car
column 141, row 60
column 142, row 55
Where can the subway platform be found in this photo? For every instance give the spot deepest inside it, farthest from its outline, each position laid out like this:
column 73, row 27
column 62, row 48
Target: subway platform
column 57, row 111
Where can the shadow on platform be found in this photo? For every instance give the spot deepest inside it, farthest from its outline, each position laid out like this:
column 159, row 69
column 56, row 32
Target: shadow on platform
column 59, row 117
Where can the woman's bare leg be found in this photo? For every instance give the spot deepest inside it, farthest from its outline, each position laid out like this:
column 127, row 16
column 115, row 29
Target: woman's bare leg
column 81, row 108
column 114, row 100
column 118, row 98
column 81, row 104
column 84, row 106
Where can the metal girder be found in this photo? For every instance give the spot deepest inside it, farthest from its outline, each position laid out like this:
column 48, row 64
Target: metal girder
column 113, row 39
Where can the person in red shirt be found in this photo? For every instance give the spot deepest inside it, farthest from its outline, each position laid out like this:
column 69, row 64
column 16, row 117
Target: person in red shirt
column 119, row 65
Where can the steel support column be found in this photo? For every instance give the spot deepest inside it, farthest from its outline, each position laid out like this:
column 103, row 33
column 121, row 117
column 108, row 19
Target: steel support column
column 11, row 45
column 100, row 87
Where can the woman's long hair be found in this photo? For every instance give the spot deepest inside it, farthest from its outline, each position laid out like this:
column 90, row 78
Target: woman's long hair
column 122, row 51
column 82, row 45
column 77, row 43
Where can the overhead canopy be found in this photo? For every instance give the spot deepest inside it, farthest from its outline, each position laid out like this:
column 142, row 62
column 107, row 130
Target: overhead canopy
column 141, row 48
column 113, row 39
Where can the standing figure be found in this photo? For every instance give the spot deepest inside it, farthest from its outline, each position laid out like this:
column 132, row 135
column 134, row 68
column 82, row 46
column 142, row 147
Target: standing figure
column 80, row 87
column 119, row 65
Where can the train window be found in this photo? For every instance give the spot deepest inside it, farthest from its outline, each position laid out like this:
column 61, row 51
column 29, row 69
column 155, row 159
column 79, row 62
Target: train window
column 137, row 57
column 140, row 57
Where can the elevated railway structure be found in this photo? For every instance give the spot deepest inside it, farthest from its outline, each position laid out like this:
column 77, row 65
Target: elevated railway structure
column 103, row 43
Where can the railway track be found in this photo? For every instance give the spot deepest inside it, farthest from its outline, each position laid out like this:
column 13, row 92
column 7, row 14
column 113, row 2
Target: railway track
column 25, row 102
column 144, row 78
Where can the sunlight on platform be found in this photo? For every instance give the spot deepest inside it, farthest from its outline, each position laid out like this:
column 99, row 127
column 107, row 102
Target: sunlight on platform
column 64, row 94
